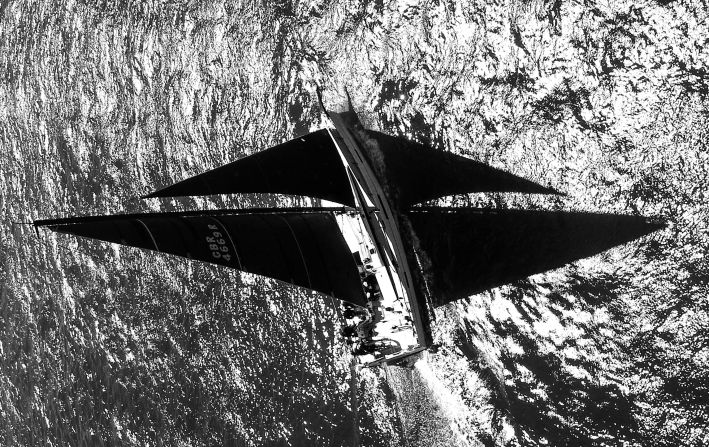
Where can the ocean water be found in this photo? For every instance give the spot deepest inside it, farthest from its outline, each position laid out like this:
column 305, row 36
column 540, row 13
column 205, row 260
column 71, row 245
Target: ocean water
column 102, row 102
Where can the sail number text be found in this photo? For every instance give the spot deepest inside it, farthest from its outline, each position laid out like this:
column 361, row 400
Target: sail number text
column 217, row 244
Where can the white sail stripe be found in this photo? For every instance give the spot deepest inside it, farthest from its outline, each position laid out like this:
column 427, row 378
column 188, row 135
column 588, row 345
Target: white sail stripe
column 150, row 233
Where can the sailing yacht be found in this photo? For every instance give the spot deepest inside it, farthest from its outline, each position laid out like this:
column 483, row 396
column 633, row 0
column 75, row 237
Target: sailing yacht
column 389, row 260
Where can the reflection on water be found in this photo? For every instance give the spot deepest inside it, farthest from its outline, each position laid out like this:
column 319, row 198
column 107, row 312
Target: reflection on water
column 103, row 102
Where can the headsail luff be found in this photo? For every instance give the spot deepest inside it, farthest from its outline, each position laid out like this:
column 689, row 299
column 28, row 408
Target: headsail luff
column 472, row 250
column 302, row 248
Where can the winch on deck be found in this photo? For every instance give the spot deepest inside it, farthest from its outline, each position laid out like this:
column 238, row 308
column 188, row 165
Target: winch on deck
column 384, row 326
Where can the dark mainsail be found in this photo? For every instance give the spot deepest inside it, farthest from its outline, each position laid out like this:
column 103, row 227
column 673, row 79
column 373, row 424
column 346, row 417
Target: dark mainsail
column 419, row 173
column 301, row 248
column 308, row 166
column 472, row 250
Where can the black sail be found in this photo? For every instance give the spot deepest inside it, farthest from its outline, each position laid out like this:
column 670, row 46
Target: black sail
column 419, row 173
column 301, row 248
column 309, row 166
column 472, row 250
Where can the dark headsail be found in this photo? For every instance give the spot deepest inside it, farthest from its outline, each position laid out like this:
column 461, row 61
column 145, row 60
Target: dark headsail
column 420, row 173
column 302, row 248
column 309, row 166
column 471, row 250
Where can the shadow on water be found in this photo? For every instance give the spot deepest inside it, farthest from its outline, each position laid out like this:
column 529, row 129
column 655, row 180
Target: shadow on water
column 568, row 408
column 550, row 396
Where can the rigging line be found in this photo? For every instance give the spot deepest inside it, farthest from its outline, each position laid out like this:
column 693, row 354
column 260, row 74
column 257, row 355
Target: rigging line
column 380, row 226
column 386, row 256
column 14, row 223
column 366, row 211
column 371, row 222
column 47, row 245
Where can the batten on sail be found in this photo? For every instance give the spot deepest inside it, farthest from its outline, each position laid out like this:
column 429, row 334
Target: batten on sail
column 301, row 248
column 472, row 250
column 307, row 166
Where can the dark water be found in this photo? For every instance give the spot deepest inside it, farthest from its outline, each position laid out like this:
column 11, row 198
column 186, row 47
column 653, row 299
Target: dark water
column 101, row 103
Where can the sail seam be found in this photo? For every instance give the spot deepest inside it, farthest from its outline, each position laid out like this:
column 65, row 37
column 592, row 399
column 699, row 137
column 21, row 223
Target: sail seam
column 328, row 277
column 279, row 242
column 150, row 233
column 307, row 273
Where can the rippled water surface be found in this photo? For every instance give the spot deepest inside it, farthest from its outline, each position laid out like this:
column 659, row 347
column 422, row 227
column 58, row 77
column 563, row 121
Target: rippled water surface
column 103, row 102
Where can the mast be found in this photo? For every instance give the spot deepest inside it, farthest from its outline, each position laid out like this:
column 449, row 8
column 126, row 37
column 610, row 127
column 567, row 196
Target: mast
column 381, row 221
